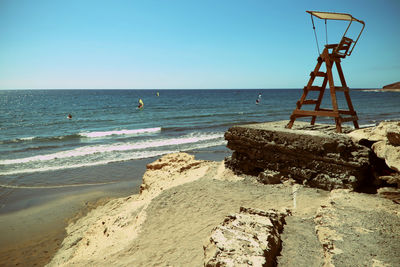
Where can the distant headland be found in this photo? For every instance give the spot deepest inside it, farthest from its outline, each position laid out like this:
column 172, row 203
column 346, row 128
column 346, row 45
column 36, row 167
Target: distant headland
column 395, row 87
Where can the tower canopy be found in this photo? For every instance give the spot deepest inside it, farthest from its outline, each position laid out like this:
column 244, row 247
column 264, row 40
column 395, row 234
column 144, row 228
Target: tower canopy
column 334, row 16
column 348, row 42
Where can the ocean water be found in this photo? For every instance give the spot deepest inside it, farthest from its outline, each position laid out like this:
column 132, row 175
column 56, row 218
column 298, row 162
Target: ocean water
column 37, row 140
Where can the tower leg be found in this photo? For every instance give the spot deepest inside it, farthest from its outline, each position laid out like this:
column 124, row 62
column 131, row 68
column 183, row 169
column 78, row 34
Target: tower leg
column 346, row 93
column 329, row 65
column 319, row 100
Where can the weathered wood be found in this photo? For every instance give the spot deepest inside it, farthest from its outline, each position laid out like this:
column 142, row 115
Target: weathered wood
column 318, row 74
column 319, row 100
column 341, row 111
column 316, row 113
column 330, row 59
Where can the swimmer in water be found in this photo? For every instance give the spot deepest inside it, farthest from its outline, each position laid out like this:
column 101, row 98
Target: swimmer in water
column 69, row 116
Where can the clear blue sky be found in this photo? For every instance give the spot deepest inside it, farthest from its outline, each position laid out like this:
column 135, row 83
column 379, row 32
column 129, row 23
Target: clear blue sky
column 186, row 44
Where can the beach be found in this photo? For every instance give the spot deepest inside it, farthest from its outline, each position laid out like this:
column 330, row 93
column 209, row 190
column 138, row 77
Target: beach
column 180, row 201
column 33, row 221
column 169, row 222
column 62, row 169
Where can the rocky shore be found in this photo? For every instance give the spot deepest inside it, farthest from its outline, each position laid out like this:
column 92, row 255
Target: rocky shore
column 253, row 209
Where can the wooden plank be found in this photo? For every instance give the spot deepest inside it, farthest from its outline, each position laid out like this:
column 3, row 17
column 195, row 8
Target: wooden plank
column 341, row 111
column 318, row 74
column 315, row 113
column 331, row 46
column 310, row 102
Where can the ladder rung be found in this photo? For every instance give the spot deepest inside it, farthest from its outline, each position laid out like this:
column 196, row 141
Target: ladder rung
column 341, row 111
column 342, row 89
column 313, row 88
column 304, row 113
column 310, row 102
column 318, row 74
column 352, row 118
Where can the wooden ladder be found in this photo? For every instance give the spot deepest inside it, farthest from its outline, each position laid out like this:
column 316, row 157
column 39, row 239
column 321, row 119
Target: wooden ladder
column 335, row 112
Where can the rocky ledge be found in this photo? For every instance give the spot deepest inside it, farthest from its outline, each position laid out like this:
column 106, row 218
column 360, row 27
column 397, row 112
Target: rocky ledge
column 316, row 155
column 311, row 154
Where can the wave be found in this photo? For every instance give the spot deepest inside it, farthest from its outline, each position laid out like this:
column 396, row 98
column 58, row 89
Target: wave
column 117, row 147
column 101, row 154
column 120, row 132
column 368, row 125
column 116, row 158
column 83, row 135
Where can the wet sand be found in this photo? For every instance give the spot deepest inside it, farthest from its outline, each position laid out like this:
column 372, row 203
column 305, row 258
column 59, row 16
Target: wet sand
column 33, row 220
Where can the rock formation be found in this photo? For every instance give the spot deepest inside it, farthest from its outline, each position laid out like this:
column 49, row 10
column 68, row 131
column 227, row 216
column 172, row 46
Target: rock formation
column 384, row 140
column 248, row 238
column 393, row 86
column 311, row 154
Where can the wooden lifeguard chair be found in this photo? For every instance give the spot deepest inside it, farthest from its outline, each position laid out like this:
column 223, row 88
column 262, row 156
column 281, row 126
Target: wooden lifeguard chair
column 332, row 54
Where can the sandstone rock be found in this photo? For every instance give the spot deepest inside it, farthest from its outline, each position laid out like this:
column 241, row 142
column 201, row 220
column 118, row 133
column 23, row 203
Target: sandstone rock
column 386, row 130
column 392, row 179
column 314, row 155
column 269, row 177
column 385, row 141
column 351, row 232
column 391, row 154
column 374, row 134
column 166, row 167
column 390, row 193
column 393, row 134
column 248, row 238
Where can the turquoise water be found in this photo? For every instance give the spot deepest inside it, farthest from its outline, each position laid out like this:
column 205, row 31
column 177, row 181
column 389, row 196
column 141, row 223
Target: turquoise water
column 36, row 137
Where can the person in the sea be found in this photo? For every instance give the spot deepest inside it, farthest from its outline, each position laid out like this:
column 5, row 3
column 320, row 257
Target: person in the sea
column 141, row 104
column 69, row 116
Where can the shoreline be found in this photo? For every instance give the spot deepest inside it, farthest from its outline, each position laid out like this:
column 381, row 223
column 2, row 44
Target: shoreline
column 34, row 220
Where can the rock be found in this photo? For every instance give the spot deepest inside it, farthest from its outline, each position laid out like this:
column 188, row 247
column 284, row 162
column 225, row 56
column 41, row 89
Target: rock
column 393, row 86
column 385, row 141
column 373, row 134
column 248, row 238
column 269, row 177
column 393, row 134
column 390, row 193
column 312, row 154
column 351, row 232
column 165, row 167
column 391, row 154
column 393, row 179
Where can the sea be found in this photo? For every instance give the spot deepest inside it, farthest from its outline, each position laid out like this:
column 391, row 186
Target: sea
column 40, row 147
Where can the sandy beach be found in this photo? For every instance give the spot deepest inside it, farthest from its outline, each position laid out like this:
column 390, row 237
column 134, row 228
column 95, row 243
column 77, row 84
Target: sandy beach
column 183, row 199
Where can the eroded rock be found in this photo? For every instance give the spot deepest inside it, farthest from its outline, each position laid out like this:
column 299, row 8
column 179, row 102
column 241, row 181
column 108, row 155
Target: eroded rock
column 248, row 238
column 385, row 140
column 314, row 155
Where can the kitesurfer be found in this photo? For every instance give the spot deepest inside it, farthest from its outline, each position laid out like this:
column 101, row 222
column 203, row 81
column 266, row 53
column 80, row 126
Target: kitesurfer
column 141, row 104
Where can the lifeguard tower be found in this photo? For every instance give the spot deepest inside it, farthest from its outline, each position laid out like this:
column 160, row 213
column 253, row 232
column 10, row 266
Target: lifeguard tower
column 332, row 54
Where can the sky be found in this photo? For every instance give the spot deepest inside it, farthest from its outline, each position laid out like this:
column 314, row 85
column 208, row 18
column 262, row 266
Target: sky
column 184, row 44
